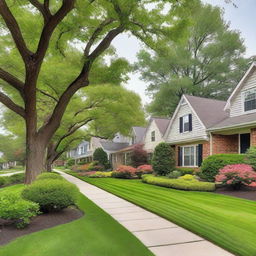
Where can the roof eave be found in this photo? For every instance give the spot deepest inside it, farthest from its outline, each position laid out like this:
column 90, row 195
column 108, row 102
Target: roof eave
column 224, row 128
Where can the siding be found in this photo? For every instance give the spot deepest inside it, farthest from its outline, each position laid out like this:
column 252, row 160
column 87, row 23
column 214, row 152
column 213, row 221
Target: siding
column 236, row 108
column 148, row 144
column 198, row 131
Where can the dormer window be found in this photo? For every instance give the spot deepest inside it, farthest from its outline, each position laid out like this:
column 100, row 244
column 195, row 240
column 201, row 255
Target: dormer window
column 250, row 100
column 153, row 136
column 186, row 123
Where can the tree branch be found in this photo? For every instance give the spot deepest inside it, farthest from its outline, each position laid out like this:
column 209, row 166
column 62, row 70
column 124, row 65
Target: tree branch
column 11, row 105
column 13, row 81
column 42, row 8
column 48, row 95
column 14, row 28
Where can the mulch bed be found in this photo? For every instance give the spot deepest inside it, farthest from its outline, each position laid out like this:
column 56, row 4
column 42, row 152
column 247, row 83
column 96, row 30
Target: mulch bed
column 9, row 232
column 245, row 192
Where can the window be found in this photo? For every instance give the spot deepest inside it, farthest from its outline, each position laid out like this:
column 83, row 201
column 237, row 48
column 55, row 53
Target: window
column 153, row 136
column 190, row 155
column 250, row 100
column 186, row 123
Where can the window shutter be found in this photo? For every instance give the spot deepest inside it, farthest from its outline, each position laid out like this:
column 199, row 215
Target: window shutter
column 190, row 122
column 200, row 154
column 181, row 124
column 180, row 156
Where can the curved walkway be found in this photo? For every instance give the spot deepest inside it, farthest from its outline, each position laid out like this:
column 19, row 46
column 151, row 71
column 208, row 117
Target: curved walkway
column 161, row 236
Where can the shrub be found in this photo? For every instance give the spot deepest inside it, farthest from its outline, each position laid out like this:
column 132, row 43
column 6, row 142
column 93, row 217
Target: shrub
column 51, row 194
column 188, row 177
column 186, row 170
column 174, row 175
column 212, row 164
column 70, row 162
column 163, row 160
column 101, row 156
column 14, row 208
column 124, row 172
column 81, row 168
column 139, row 156
column 143, row 169
column 16, row 178
column 49, row 175
column 251, row 157
column 101, row 175
column 194, row 185
column 3, row 181
column 236, row 175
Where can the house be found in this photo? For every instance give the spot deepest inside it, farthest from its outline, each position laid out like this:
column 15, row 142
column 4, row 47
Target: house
column 201, row 127
column 81, row 152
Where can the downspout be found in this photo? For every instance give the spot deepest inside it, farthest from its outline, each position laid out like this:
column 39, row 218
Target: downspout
column 211, row 144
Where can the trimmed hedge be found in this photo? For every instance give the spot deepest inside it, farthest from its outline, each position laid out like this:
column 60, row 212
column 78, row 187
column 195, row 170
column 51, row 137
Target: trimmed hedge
column 49, row 175
column 51, row 194
column 212, row 164
column 186, row 170
column 16, row 178
column 16, row 209
column 193, row 185
column 101, row 175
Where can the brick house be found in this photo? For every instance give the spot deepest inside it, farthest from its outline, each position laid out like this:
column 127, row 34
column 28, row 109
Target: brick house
column 201, row 127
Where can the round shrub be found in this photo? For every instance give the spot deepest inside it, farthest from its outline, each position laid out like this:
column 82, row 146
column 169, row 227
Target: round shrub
column 70, row 162
column 139, row 156
column 51, row 194
column 124, row 172
column 174, row 175
column 49, row 175
column 236, row 175
column 143, row 169
column 16, row 209
column 101, row 156
column 188, row 177
column 163, row 160
column 212, row 164
column 251, row 157
column 186, row 170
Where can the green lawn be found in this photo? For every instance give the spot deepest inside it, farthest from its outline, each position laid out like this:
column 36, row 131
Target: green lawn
column 227, row 221
column 95, row 234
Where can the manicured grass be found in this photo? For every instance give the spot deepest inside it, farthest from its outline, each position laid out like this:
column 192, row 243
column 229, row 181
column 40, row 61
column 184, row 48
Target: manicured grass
column 226, row 221
column 95, row 234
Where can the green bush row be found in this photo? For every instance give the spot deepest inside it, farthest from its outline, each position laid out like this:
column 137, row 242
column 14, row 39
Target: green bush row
column 182, row 184
column 13, row 179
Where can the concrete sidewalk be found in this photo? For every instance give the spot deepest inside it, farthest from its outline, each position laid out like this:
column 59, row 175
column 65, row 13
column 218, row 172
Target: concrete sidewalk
column 10, row 173
column 162, row 237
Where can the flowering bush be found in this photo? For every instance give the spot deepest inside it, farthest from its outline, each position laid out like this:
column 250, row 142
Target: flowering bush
column 236, row 175
column 124, row 172
column 144, row 169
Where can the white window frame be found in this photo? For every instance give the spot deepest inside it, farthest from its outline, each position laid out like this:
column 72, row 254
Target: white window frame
column 243, row 100
column 183, row 123
column 153, row 132
column 195, row 146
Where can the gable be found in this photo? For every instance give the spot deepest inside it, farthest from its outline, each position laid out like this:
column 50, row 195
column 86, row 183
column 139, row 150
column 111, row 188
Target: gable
column 173, row 134
column 236, row 104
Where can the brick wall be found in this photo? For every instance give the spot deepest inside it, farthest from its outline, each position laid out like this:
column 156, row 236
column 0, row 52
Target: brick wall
column 253, row 137
column 225, row 144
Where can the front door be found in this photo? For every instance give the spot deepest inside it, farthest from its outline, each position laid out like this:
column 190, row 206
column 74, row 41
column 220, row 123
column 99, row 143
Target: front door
column 245, row 142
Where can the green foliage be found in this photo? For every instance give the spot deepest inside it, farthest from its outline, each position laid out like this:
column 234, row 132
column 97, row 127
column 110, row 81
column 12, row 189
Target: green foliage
column 212, row 164
column 188, row 177
column 207, row 61
column 3, row 181
column 251, row 157
column 174, row 174
column 14, row 208
column 163, row 161
column 186, row 170
column 49, row 175
column 101, row 175
column 51, row 194
column 101, row 157
column 182, row 184
column 70, row 162
column 16, row 178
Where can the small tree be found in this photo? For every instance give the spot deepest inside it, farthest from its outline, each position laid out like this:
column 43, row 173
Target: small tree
column 139, row 156
column 251, row 157
column 163, row 160
column 101, row 156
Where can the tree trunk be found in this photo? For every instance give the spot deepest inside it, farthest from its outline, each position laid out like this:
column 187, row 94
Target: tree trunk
column 48, row 165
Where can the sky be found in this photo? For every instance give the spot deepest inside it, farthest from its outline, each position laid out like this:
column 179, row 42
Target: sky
column 241, row 18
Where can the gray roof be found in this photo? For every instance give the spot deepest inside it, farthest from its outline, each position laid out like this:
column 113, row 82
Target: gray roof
column 235, row 121
column 139, row 133
column 162, row 123
column 210, row 111
column 112, row 146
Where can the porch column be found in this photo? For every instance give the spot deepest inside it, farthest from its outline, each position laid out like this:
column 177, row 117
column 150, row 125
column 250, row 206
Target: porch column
column 253, row 137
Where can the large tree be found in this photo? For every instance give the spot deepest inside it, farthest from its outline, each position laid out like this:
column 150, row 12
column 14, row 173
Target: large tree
column 208, row 61
column 37, row 31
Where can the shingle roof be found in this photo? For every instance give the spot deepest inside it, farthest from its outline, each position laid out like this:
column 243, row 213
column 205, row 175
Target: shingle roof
column 113, row 146
column 162, row 123
column 235, row 121
column 210, row 111
column 139, row 133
